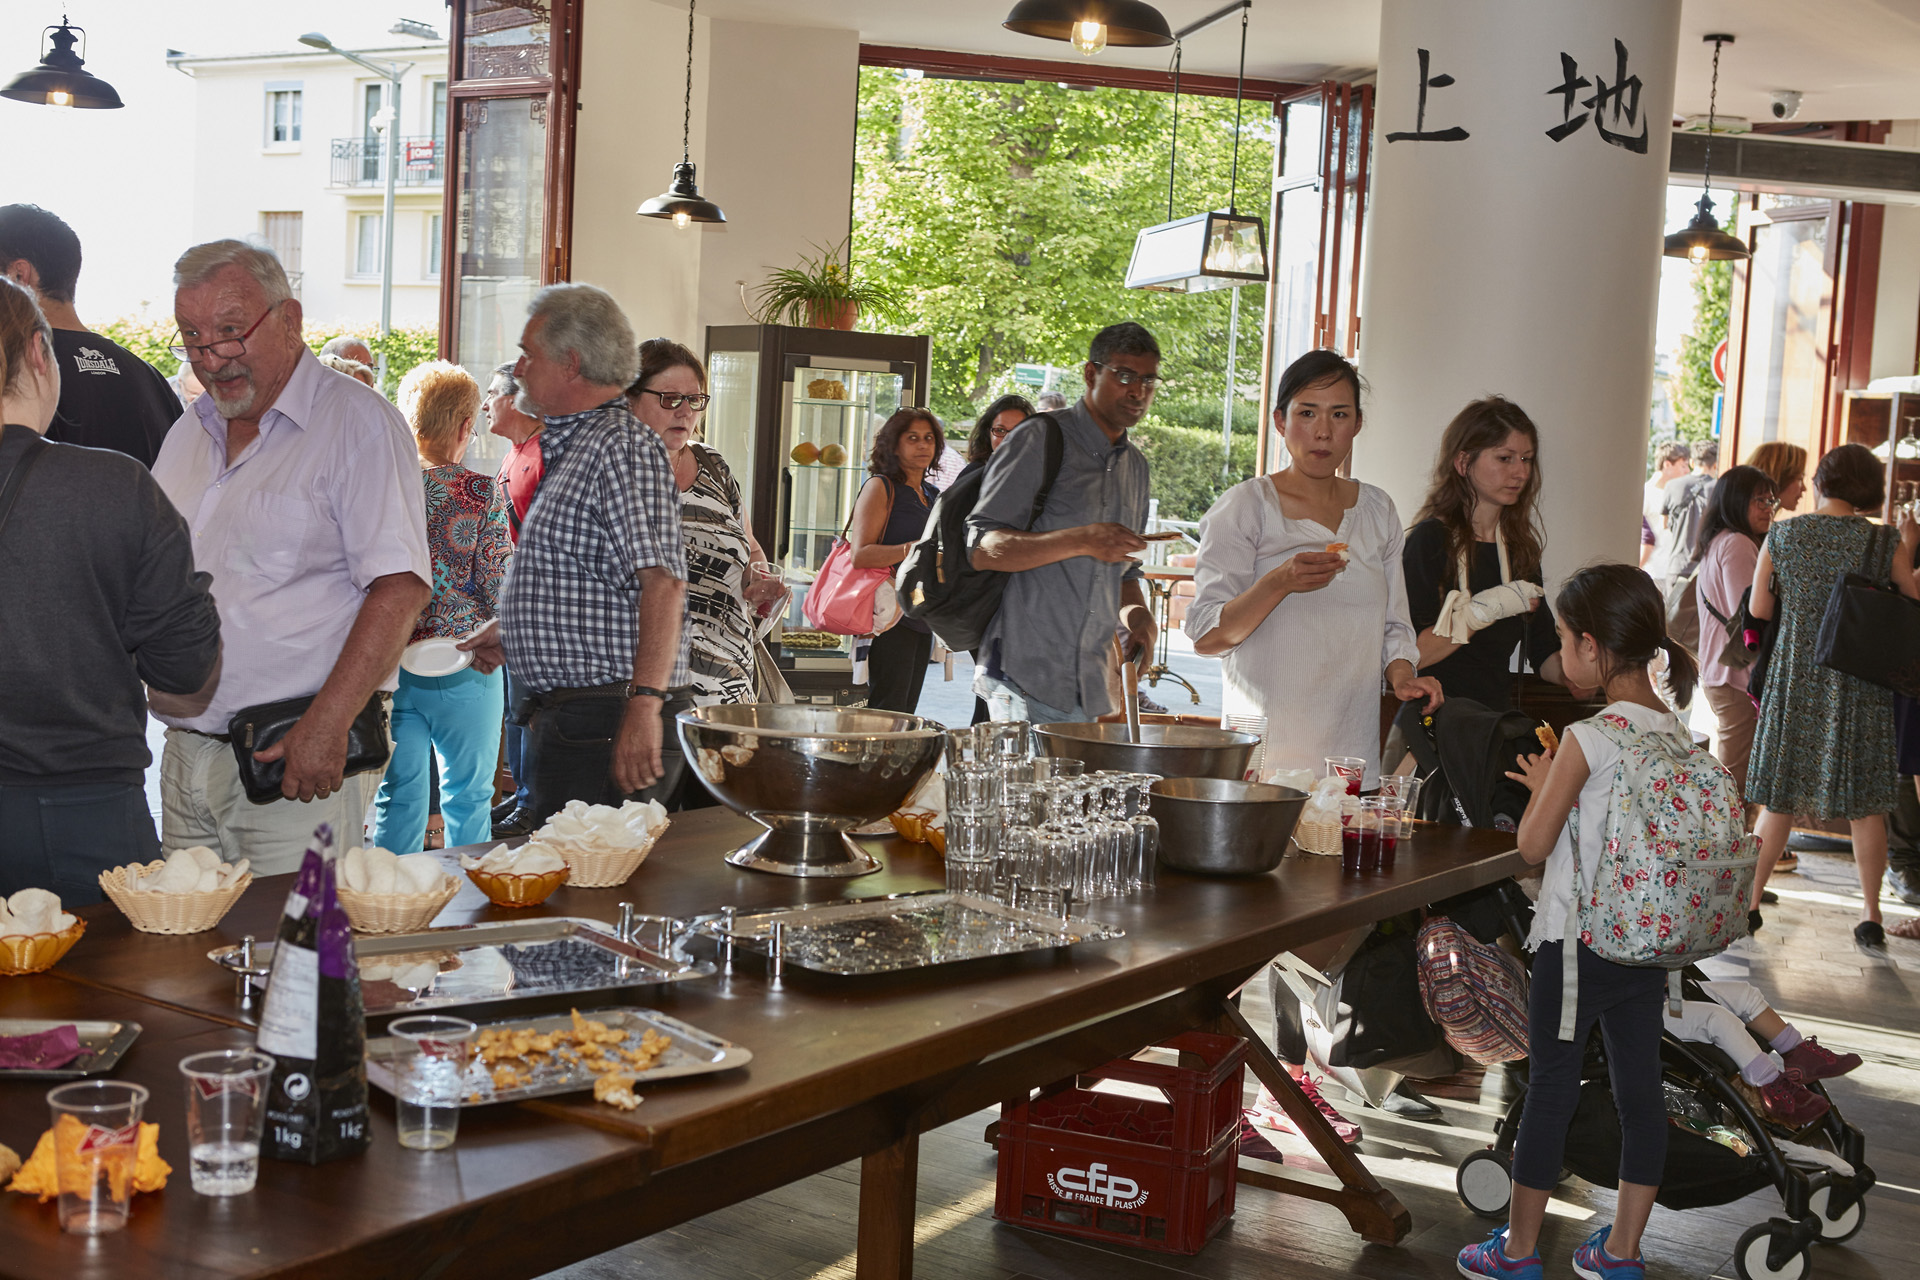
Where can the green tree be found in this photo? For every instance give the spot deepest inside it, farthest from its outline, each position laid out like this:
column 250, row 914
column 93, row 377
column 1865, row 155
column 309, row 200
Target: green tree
column 1696, row 385
column 149, row 338
column 1005, row 214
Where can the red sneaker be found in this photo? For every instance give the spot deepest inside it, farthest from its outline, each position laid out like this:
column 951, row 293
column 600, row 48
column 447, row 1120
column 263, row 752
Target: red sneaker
column 1792, row 1103
column 1808, row 1061
column 1348, row 1131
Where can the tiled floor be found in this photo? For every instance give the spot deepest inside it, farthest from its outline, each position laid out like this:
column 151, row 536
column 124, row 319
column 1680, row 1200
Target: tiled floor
column 1804, row 959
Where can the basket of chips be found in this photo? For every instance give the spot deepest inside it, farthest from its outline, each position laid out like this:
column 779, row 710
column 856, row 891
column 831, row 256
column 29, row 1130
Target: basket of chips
column 382, row 892
column 522, row 877
column 189, row 892
column 35, row 932
column 601, row 845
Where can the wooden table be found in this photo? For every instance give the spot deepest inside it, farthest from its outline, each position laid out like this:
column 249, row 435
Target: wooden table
column 843, row 1068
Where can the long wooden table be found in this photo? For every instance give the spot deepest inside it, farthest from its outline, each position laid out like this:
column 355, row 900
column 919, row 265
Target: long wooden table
column 843, row 1068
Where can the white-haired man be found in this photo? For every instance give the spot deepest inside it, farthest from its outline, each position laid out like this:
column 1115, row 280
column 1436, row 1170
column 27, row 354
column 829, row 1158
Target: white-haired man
column 592, row 617
column 303, row 494
column 348, row 347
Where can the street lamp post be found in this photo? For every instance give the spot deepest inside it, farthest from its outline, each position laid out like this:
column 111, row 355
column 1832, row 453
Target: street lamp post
column 389, row 138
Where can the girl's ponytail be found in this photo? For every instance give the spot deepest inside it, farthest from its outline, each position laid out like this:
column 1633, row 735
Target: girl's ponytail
column 1622, row 610
column 1683, row 672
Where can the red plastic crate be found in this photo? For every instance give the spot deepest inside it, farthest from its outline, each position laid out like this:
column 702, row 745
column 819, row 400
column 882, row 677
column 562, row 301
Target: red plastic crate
column 1156, row 1175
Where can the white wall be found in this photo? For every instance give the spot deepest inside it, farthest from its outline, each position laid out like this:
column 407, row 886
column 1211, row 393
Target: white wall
column 1896, row 307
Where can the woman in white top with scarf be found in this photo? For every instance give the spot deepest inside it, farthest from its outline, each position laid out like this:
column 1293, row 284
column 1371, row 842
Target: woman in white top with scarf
column 1299, row 586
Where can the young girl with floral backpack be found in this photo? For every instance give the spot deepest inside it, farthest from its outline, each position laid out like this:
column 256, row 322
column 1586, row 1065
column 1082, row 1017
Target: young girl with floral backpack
column 1646, row 870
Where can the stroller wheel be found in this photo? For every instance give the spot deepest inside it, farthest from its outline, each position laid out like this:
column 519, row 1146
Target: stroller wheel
column 1750, row 1257
column 1485, row 1184
column 1842, row 1226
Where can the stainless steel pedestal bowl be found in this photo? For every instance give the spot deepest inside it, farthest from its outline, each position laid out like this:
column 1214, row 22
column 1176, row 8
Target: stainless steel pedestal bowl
column 1169, row 750
column 809, row 775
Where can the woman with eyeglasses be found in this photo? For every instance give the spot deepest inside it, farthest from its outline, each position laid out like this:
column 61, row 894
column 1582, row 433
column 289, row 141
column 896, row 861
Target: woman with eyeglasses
column 1739, row 513
column 994, row 426
column 669, row 396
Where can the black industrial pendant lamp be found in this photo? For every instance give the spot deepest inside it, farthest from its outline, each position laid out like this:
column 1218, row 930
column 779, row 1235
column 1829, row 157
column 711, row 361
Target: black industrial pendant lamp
column 1213, row 250
column 1091, row 25
column 61, row 80
column 1703, row 240
column 682, row 200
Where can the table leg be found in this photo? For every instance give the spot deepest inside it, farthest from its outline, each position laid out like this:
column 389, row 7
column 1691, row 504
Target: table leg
column 1372, row 1210
column 887, row 1182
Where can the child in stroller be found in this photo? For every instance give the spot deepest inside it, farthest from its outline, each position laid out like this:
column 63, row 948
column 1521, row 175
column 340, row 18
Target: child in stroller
column 1727, row 1140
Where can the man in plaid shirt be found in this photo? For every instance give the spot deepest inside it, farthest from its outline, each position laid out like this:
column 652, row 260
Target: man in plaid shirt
column 592, row 616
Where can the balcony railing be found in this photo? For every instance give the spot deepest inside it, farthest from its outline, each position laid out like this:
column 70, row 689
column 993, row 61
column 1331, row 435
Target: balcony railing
column 362, row 162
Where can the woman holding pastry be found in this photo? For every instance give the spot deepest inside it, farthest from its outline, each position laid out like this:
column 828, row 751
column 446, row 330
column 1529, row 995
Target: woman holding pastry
column 1299, row 589
column 1472, row 559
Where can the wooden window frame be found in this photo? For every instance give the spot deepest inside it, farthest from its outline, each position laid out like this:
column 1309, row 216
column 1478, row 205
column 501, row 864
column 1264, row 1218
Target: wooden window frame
column 561, row 90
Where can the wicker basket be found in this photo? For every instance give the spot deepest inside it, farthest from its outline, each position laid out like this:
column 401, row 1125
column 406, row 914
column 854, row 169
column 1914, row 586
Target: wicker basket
column 1318, row 837
column 507, row 889
column 395, row 912
column 33, row 952
column 152, row 912
column 604, row 868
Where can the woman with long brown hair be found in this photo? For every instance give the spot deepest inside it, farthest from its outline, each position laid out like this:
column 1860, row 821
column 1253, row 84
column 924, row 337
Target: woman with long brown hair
column 888, row 518
column 1472, row 558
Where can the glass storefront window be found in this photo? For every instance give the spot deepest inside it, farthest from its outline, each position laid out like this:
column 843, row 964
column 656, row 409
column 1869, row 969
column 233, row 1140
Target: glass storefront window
column 505, row 40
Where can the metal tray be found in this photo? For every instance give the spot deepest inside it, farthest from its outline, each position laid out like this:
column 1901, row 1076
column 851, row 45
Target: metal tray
column 694, row 1053
column 496, row 960
column 904, row 931
column 107, row 1041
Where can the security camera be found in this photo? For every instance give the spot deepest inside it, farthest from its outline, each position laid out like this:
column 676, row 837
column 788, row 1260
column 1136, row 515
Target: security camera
column 1786, row 103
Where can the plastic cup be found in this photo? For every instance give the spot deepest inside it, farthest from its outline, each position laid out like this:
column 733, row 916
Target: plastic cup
column 1370, row 822
column 226, row 1108
column 96, row 1181
column 429, row 1074
column 1404, row 787
column 1350, row 849
column 1352, row 768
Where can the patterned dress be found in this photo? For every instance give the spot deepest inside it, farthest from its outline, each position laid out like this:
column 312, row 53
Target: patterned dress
column 1825, row 741
column 467, row 534
column 720, row 633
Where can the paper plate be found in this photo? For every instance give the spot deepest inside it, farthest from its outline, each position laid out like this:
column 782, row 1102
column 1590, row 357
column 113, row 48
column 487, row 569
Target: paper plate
column 435, row 656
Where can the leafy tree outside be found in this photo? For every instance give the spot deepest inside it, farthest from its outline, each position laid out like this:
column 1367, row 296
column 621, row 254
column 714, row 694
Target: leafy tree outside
column 1696, row 385
column 149, row 337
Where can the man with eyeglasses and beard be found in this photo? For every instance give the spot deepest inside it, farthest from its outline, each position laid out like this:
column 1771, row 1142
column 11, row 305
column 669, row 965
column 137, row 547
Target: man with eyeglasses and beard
column 303, row 494
column 1045, row 657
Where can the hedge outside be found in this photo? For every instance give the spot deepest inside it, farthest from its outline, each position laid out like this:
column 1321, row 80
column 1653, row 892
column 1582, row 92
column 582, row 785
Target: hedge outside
column 149, row 337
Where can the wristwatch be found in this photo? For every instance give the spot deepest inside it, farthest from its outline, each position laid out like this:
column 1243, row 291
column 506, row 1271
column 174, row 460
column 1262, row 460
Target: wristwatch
column 644, row 691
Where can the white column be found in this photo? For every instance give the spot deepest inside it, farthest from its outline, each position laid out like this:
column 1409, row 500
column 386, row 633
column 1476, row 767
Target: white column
column 1509, row 262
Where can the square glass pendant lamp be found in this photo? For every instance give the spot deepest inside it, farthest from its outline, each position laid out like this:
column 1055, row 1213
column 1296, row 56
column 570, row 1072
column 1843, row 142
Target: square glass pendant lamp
column 1206, row 251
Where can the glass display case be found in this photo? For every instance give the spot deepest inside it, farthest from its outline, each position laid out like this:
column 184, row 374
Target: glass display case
column 795, row 412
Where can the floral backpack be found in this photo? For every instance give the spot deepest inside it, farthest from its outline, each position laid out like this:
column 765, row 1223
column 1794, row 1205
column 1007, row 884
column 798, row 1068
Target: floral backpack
column 1675, row 874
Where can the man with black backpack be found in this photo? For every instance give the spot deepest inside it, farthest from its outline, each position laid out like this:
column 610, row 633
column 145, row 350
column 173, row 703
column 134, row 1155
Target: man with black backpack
column 1064, row 535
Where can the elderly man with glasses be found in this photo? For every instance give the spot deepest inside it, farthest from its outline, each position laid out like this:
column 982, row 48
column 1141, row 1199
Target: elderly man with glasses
column 1046, row 656
column 593, row 614
column 302, row 490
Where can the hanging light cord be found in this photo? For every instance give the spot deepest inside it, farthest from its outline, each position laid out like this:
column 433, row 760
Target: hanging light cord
column 686, row 119
column 1173, row 153
column 1233, row 188
column 1713, row 99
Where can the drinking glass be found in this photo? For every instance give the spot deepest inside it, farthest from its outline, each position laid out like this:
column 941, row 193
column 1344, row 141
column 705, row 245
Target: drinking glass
column 1009, row 741
column 1352, row 768
column 1404, row 787
column 1393, row 817
column 1113, row 869
column 226, row 1109
column 965, row 746
column 1048, row 767
column 973, row 789
column 1049, row 867
column 764, row 588
column 96, row 1181
column 971, row 844
column 430, row 1070
column 1144, row 870
column 1367, row 824
column 1016, row 831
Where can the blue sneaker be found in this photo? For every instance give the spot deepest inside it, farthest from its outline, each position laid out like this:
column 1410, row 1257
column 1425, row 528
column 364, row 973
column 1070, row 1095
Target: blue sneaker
column 1591, row 1261
column 1489, row 1258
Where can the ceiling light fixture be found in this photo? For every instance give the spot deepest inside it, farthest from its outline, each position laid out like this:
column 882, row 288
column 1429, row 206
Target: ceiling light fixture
column 1213, row 250
column 1091, row 25
column 1703, row 240
column 60, row 80
column 681, row 201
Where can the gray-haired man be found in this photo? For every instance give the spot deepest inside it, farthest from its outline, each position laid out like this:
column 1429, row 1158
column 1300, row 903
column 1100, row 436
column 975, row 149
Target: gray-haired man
column 592, row 617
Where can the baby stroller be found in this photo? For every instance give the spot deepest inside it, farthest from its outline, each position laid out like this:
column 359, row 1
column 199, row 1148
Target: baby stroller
column 1719, row 1149
column 1462, row 753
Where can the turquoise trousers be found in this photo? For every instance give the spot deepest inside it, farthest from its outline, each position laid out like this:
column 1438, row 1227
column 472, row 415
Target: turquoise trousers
column 456, row 717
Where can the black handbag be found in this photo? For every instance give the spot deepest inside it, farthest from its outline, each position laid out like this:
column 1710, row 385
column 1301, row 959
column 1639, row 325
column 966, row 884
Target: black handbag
column 258, row 727
column 1735, row 654
column 1870, row 631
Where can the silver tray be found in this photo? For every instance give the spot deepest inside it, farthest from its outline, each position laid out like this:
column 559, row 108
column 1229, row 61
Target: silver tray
column 496, row 960
column 107, row 1040
column 904, row 931
column 694, row 1053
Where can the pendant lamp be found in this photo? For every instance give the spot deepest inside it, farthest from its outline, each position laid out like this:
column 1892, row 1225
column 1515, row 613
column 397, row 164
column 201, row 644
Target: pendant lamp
column 1703, row 240
column 1213, row 250
column 59, row 80
column 1091, row 25
column 682, row 201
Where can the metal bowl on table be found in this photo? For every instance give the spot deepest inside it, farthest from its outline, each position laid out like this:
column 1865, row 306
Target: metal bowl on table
column 1169, row 750
column 1218, row 827
column 809, row 774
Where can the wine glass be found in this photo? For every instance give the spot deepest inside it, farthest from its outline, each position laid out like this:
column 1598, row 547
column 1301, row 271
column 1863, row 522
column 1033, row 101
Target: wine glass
column 1146, row 833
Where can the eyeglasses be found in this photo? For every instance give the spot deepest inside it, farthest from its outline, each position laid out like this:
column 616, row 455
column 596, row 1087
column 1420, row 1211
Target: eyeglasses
column 999, row 432
column 674, row 399
column 226, row 348
column 1127, row 377
column 1768, row 501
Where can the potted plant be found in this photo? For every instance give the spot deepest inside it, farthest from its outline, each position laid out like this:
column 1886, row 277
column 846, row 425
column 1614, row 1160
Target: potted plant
column 822, row 293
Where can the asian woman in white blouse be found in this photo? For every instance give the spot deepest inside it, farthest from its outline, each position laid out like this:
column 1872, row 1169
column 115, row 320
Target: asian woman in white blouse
column 1308, row 635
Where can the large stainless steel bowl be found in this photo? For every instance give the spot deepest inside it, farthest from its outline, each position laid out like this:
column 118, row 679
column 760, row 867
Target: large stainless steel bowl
column 1222, row 828
column 1170, row 750
column 809, row 775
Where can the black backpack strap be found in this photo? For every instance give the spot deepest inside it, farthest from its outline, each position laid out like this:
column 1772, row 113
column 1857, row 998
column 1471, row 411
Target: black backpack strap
column 1056, row 448
column 10, row 492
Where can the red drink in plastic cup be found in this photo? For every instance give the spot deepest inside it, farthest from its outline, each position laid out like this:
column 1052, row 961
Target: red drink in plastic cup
column 1350, row 849
column 1369, row 850
column 1389, row 842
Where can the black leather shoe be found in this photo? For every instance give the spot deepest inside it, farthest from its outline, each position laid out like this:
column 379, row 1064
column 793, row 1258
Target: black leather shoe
column 504, row 810
column 517, row 823
column 1753, row 920
column 1870, row 933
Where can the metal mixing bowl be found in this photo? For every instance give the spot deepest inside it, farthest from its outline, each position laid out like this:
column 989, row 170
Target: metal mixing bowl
column 809, row 774
column 1223, row 828
column 1170, row 750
